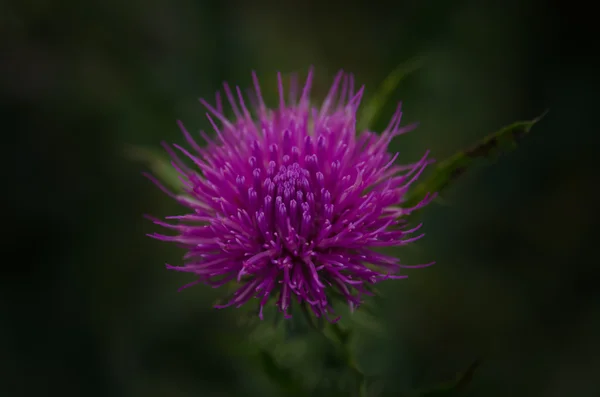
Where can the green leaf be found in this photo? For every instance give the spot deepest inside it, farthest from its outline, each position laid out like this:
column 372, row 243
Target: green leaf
column 279, row 375
column 373, row 106
column 455, row 388
column 158, row 164
column 341, row 335
column 318, row 324
column 447, row 171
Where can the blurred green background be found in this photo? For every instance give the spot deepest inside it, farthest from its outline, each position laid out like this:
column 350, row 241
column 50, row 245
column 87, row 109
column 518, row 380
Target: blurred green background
column 87, row 307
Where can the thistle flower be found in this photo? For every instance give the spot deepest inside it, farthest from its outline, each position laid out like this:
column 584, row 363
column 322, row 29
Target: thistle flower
column 293, row 203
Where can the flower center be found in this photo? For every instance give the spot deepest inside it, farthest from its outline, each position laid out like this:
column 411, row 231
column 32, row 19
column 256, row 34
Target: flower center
column 291, row 206
column 292, row 183
column 293, row 203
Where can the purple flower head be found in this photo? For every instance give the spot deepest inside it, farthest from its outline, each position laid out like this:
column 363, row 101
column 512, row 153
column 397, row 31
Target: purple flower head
column 292, row 202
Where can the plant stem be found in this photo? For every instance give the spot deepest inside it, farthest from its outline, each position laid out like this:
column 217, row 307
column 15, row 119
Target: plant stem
column 344, row 339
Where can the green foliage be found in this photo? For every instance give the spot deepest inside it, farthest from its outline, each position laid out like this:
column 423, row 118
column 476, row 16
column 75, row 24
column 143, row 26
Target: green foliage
column 447, row 171
column 158, row 164
column 371, row 108
column 279, row 375
column 455, row 388
column 340, row 338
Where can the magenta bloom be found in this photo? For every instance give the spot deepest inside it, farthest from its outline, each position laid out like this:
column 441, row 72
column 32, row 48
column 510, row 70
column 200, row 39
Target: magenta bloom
column 292, row 202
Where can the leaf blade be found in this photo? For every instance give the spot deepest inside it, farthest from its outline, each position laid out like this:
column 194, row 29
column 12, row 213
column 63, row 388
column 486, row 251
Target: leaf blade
column 373, row 106
column 158, row 164
column 450, row 169
column 279, row 375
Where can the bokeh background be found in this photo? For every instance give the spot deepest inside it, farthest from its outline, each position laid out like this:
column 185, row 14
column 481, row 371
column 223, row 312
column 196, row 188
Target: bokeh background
column 87, row 307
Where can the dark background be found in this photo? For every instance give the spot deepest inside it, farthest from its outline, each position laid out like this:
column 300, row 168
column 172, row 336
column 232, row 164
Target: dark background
column 87, row 307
